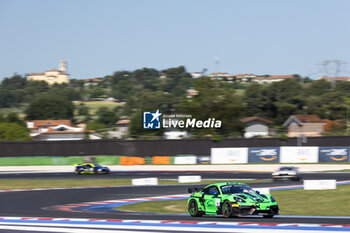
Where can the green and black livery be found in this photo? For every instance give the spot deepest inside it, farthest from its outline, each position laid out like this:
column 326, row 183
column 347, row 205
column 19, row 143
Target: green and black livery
column 230, row 200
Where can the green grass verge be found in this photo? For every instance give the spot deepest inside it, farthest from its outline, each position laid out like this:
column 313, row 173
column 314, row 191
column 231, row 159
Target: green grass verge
column 311, row 202
column 33, row 161
column 291, row 202
column 55, row 183
column 95, row 105
column 32, row 184
column 59, row 160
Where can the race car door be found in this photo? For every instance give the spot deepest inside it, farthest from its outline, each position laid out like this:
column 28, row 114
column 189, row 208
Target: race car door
column 211, row 199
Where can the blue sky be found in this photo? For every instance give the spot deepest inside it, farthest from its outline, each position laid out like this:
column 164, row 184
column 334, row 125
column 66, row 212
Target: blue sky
column 98, row 38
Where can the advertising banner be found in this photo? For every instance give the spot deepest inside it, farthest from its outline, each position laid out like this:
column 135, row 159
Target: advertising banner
column 264, row 155
column 185, row 160
column 145, row 181
column 189, row 179
column 334, row 154
column 320, row 184
column 229, row 155
column 203, row 159
column 299, row 154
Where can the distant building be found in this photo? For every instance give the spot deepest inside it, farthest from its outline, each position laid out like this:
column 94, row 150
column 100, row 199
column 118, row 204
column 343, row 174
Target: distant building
column 175, row 134
column 304, row 125
column 121, row 130
column 92, row 81
column 196, row 75
column 222, row 76
column 244, row 78
column 191, row 92
column 335, row 79
column 333, row 125
column 54, row 130
column 272, row 78
column 163, row 75
column 256, row 126
column 52, row 76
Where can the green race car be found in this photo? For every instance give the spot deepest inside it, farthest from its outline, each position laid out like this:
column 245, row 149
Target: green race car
column 230, row 200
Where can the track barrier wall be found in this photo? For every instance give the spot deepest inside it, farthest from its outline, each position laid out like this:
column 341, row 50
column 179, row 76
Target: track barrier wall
column 225, row 155
column 287, row 154
column 143, row 148
column 189, row 151
column 158, row 160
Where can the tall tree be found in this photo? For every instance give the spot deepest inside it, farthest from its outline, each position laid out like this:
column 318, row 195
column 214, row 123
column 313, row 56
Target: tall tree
column 13, row 132
column 50, row 107
column 215, row 100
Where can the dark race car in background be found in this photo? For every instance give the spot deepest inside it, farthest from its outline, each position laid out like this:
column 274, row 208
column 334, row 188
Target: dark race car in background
column 90, row 168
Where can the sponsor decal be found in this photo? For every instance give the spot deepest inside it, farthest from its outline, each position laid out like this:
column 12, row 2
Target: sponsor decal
column 211, row 203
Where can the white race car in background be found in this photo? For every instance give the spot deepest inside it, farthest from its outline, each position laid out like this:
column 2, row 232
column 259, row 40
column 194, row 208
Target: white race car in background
column 287, row 173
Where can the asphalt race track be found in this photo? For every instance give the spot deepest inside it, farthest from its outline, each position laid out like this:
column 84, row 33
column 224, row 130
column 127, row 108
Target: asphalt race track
column 171, row 175
column 33, row 203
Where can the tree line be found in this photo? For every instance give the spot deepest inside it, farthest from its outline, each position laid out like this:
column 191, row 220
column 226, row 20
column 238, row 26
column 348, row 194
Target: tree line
column 150, row 89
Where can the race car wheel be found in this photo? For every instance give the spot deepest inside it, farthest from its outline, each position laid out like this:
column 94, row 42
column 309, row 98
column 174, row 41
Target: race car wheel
column 193, row 209
column 77, row 171
column 227, row 209
column 95, row 170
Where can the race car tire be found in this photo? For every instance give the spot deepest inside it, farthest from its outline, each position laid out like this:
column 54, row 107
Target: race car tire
column 95, row 170
column 193, row 209
column 77, row 171
column 227, row 209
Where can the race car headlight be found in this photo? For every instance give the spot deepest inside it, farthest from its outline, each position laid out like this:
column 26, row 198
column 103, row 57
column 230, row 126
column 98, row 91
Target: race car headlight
column 273, row 199
column 237, row 199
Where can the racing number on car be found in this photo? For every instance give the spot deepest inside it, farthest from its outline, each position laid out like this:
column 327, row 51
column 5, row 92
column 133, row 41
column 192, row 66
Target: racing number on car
column 217, row 202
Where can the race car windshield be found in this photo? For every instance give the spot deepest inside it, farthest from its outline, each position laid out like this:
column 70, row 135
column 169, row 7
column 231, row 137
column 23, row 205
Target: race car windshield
column 231, row 189
column 286, row 169
column 97, row 165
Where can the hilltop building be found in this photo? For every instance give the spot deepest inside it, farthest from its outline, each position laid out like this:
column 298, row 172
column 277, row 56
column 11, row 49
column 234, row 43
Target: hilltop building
column 272, row 78
column 304, row 125
column 54, row 130
column 335, row 79
column 257, row 127
column 52, row 76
